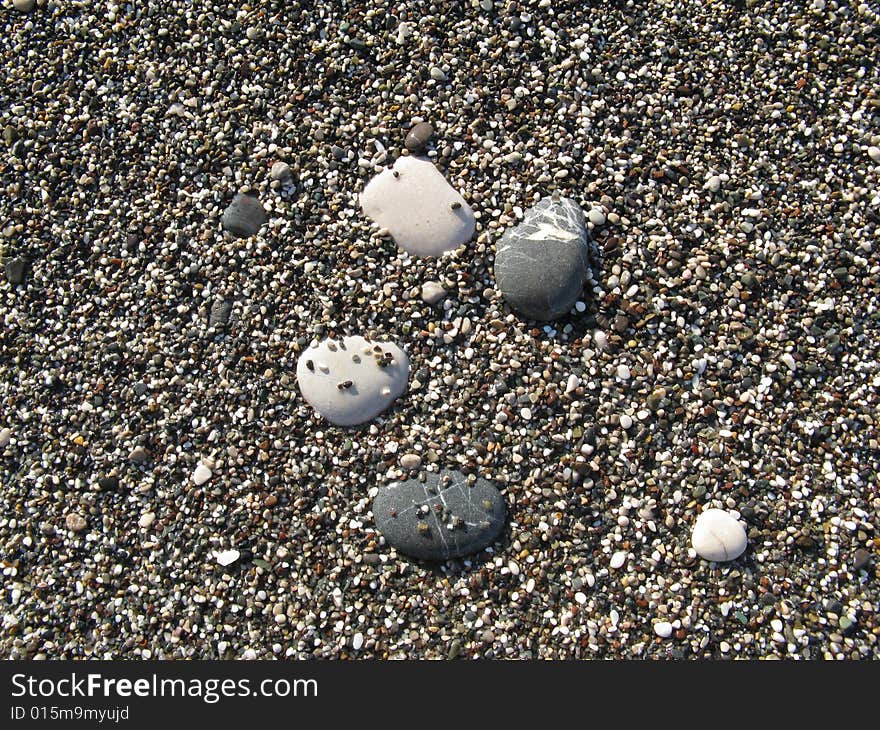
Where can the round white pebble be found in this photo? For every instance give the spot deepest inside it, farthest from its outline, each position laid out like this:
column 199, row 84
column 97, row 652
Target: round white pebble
column 617, row 560
column 663, row 629
column 626, row 422
column 718, row 536
column 596, row 216
column 352, row 380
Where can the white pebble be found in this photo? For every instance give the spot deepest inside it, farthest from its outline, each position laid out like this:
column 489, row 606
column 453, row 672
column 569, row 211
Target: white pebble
column 596, row 216
column 421, row 210
column 713, row 184
column 874, row 153
column 357, row 641
column 5, row 435
column 573, row 382
column 580, row 597
column 623, row 372
column 626, row 421
column 432, row 292
column 147, row 519
column 718, row 536
column 526, row 413
column 617, row 560
column 663, row 629
column 201, row 474
column 410, row 461
column 227, row 557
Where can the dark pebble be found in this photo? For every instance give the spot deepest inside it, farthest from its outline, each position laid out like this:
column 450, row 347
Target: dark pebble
column 244, row 216
column 418, row 137
column 15, row 270
column 109, row 483
column 461, row 520
column 861, row 559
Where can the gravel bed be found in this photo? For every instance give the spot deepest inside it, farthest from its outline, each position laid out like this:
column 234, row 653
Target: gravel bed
column 167, row 492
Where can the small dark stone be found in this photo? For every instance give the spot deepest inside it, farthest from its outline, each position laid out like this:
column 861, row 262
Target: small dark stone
column 418, row 137
column 861, row 559
column 108, row 483
column 15, row 270
column 220, row 311
column 420, row 522
column 805, row 542
column 244, row 216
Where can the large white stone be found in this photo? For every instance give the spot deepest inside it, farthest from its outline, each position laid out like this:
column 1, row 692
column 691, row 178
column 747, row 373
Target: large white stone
column 344, row 382
column 718, row 536
column 425, row 215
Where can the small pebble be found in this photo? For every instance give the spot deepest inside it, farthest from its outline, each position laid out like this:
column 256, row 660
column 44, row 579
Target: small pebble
column 280, row 171
column 433, row 292
column 227, row 557
column 410, row 461
column 718, row 536
column 75, row 522
column 201, row 474
column 418, row 137
column 596, row 216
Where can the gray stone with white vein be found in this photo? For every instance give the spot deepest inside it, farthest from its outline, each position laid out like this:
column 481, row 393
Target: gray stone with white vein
column 444, row 517
column 542, row 263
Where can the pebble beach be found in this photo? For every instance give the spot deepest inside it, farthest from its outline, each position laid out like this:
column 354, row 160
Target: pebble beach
column 183, row 226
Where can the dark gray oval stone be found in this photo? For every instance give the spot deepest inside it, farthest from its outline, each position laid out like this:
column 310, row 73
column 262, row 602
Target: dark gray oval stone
column 15, row 269
column 244, row 216
column 441, row 518
column 541, row 264
column 219, row 314
column 418, row 137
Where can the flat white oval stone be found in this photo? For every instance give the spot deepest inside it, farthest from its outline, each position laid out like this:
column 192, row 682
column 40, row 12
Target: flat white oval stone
column 344, row 382
column 718, row 536
column 423, row 213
